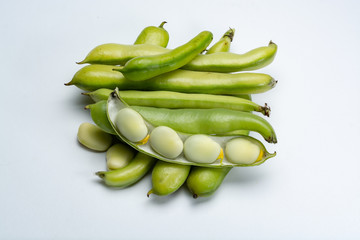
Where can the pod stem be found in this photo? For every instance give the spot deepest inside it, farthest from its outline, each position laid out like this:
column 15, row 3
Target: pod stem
column 101, row 174
column 195, row 196
column 118, row 69
column 230, row 34
column 149, row 192
column 266, row 110
column 162, row 24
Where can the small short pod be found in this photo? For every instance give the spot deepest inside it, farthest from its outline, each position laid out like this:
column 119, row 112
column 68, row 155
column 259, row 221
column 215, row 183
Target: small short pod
column 202, row 149
column 166, row 142
column 131, row 125
column 243, row 151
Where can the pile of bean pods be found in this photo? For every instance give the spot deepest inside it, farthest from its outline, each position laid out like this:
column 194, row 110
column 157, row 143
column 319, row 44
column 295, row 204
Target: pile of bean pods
column 184, row 113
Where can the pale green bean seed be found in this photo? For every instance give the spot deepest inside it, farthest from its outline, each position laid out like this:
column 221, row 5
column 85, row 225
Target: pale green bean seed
column 166, row 142
column 131, row 125
column 118, row 156
column 93, row 137
column 242, row 151
column 201, row 149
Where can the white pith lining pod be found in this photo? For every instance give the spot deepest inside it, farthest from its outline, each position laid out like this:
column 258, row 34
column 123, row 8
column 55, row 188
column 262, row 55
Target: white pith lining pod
column 169, row 145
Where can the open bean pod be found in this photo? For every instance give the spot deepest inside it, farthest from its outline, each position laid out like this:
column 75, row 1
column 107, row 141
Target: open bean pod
column 168, row 145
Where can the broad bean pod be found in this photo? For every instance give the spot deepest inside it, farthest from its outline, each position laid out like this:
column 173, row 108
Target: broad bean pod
column 166, row 99
column 154, row 35
column 216, row 121
column 103, row 94
column 130, row 174
column 203, row 181
column 119, row 54
column 223, row 45
column 146, row 67
column 167, row 145
column 168, row 177
column 93, row 77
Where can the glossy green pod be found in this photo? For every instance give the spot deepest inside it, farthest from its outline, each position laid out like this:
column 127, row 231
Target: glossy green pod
column 154, row 35
column 208, row 121
column 130, row 174
column 223, row 45
column 98, row 115
column 168, row 177
column 115, row 111
column 103, row 94
column 203, row 182
column 119, row 54
column 146, row 67
column 226, row 62
column 166, row 99
column 93, row 77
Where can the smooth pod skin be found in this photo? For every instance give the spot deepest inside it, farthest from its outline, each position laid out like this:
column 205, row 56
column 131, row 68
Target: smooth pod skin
column 98, row 115
column 223, row 45
column 119, row 54
column 154, row 35
column 92, row 137
column 99, row 94
column 203, row 182
column 168, row 177
column 93, row 77
column 167, row 99
column 130, row 174
column 103, row 94
column 208, row 121
column 146, row 67
column 226, row 62
column 118, row 156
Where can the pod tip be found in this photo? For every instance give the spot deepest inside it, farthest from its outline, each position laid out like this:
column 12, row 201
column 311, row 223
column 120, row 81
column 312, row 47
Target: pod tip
column 162, row 24
column 81, row 62
column 149, row 192
column 266, row 110
column 195, row 196
column 68, row 84
column 100, row 174
column 119, row 69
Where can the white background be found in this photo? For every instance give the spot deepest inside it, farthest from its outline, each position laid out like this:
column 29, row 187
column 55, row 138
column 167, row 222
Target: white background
column 311, row 190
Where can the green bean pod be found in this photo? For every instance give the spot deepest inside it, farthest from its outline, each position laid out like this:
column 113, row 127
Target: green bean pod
column 168, row 178
column 207, row 121
column 146, row 67
column 130, row 174
column 223, row 45
column 103, row 94
column 203, row 182
column 154, row 35
column 98, row 115
column 93, row 77
column 226, row 62
column 165, row 99
column 169, row 145
column 119, row 54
